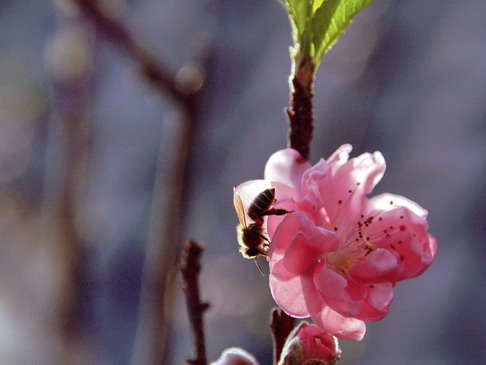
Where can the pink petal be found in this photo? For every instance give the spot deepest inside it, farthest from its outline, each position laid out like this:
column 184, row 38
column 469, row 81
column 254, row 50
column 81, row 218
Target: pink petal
column 311, row 181
column 368, row 169
column 340, row 293
column 430, row 250
column 400, row 226
column 286, row 167
column 387, row 201
column 377, row 302
column 308, row 248
column 301, row 256
column 283, row 236
column 338, row 325
column 291, row 292
column 340, row 156
column 345, row 187
column 413, row 255
column 376, row 266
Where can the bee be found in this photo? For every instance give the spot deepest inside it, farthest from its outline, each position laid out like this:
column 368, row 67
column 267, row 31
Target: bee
column 251, row 238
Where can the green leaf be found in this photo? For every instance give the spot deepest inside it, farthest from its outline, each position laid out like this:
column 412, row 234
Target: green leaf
column 330, row 21
column 300, row 12
column 318, row 24
column 317, row 5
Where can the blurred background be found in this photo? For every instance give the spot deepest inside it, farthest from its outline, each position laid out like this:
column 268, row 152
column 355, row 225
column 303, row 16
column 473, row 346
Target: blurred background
column 84, row 137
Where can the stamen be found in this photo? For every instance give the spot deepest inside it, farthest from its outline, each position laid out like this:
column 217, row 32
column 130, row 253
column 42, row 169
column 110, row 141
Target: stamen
column 340, row 203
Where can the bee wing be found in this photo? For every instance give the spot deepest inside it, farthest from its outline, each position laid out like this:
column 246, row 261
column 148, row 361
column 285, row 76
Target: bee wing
column 240, row 210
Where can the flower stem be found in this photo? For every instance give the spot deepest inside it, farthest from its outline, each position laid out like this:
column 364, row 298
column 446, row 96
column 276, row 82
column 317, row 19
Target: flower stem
column 300, row 113
column 281, row 325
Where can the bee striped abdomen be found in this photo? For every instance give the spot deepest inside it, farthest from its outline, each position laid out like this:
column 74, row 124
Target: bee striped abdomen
column 252, row 237
column 261, row 204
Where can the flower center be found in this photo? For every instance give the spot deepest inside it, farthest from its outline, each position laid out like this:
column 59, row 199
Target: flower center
column 342, row 261
column 367, row 234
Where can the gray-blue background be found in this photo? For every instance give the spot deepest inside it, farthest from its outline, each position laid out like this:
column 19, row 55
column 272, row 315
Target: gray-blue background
column 408, row 79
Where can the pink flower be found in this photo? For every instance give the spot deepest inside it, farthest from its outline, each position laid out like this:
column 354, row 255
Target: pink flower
column 337, row 257
column 235, row 356
column 308, row 344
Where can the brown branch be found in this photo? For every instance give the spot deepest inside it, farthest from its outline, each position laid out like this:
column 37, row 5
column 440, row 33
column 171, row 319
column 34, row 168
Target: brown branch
column 113, row 28
column 190, row 269
column 158, row 276
column 151, row 345
column 281, row 325
column 300, row 113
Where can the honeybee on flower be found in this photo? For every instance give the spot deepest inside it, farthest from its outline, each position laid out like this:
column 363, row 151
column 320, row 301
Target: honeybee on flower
column 253, row 242
column 337, row 257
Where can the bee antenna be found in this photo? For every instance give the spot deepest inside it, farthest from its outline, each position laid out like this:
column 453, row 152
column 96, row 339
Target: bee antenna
column 259, row 268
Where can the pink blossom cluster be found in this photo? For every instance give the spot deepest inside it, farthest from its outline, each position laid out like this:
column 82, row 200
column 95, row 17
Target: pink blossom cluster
column 338, row 255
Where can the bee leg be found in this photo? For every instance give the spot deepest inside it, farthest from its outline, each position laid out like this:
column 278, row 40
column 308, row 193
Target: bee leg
column 259, row 268
column 265, row 238
column 275, row 211
column 282, row 211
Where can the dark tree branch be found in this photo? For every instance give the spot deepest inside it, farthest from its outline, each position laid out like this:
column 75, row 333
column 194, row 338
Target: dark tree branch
column 113, row 28
column 300, row 113
column 190, row 269
column 169, row 189
column 158, row 276
column 281, row 325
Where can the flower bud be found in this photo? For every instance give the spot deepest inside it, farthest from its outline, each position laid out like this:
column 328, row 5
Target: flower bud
column 235, row 356
column 307, row 344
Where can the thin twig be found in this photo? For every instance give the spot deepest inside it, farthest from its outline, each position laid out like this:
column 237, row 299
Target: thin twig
column 281, row 325
column 154, row 70
column 151, row 345
column 190, row 269
column 158, row 276
column 300, row 113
